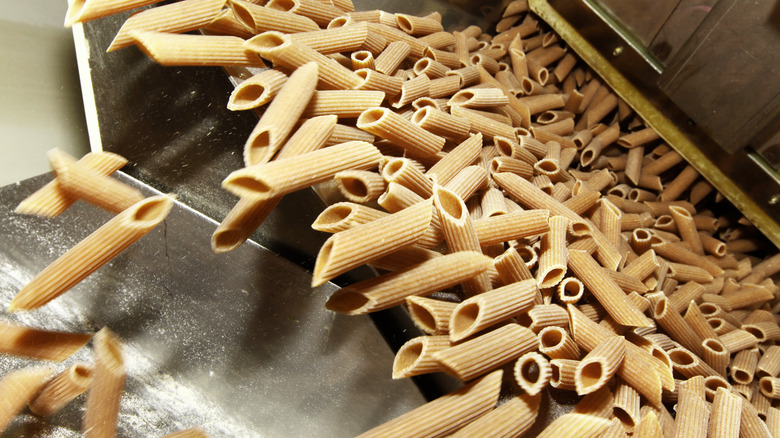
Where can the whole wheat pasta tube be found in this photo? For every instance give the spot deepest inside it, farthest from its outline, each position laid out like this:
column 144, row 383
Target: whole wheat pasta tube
column 562, row 373
column 687, row 228
column 743, row 366
column 342, row 103
column 416, row 356
column 441, row 123
column 403, row 171
column 261, row 19
column 677, row 253
column 714, row 353
column 320, row 12
column 86, row 10
column 556, row 343
column 374, row 80
column 178, row 17
column 532, row 382
column 227, row 23
column 480, row 123
column 456, row 160
column 611, row 217
column 105, row 391
column 675, row 326
column 587, row 426
column 693, row 413
column 257, row 90
column 643, row 266
column 468, row 181
column 187, row 433
column 391, row 57
column 635, row 370
column 417, row 25
column 769, row 364
column 512, row 268
column 484, row 310
column 689, row 364
column 599, row 365
column 554, row 256
column 634, row 164
column 766, row 268
column 479, row 98
column 89, row 185
column 358, row 245
column 51, row 200
column 282, row 50
column 280, row 117
column 446, row 414
column 598, row 404
column 512, row 226
column 605, row 290
column 63, row 388
column 570, row 290
column 405, row 258
column 92, row 252
column 726, row 415
column 770, row 387
column 479, row 355
column 249, row 213
column 737, row 340
column 430, row 315
column 350, row 38
column 698, row 323
column 512, row 418
column 511, row 165
column 431, row 68
column 40, row 344
column 459, row 233
column 195, row 50
column 626, row 406
column 751, row 425
column 279, row 177
column 683, row 295
column 411, row 90
column 422, row 279
column 360, row 185
column 492, row 203
column 678, row 185
column 19, row 387
column 443, row 57
column 386, row 124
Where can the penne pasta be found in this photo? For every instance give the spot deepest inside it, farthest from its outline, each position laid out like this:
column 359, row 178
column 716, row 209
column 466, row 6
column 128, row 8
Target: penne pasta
column 342, row 103
column 486, row 309
column 105, row 390
column 170, row 49
column 599, row 365
column 512, row 418
column 532, row 372
column 556, row 343
column 61, row 389
column 430, row 315
column 256, row 90
column 587, row 426
column 40, row 344
column 726, row 415
column 416, row 356
column 98, row 248
column 86, row 10
column 19, row 387
column 388, row 125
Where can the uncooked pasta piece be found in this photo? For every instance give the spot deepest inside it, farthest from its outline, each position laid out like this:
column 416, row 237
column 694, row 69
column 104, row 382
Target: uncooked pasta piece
column 743, row 366
column 441, row 123
column 61, row 389
column 195, row 50
column 714, row 353
column 342, row 103
column 430, row 315
column 187, row 433
column 456, row 160
column 481, row 123
column 278, row 120
column 416, row 356
column 675, row 326
column 411, row 90
column 689, row 364
column 360, row 244
column 738, row 340
column 556, row 343
column 532, row 372
column 512, row 226
column 403, row 171
column 105, row 390
column 726, row 415
column 350, row 38
column 86, row 10
column 391, row 57
column 40, row 344
column 87, row 184
column 486, row 352
column 261, row 19
column 92, row 252
column 626, row 406
column 484, row 310
column 446, row 414
column 422, row 279
column 769, row 364
column 512, row 418
column 256, row 90
column 279, row 177
column 320, row 12
column 599, row 365
column 19, row 387
column 386, row 124
column 587, row 426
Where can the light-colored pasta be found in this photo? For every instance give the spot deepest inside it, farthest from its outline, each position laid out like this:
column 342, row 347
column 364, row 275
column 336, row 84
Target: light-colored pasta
column 687, row 228
column 261, row 19
column 358, row 245
column 416, row 356
column 474, row 357
column 484, row 310
column 769, row 364
column 556, row 343
column 187, row 433
column 599, row 365
column 743, row 366
column 61, row 389
column 512, row 268
column 532, row 372
column 422, row 279
column 391, row 57
column 562, row 373
column 282, row 50
column 19, row 387
column 456, row 160
column 715, row 355
column 51, row 200
column 278, row 120
column 554, row 255
column 342, row 39
column 105, row 391
column 256, row 90
column 404, row 172
column 512, row 226
column 342, row 103
column 693, row 412
column 570, row 290
column 411, row 90
column 89, row 185
column 512, row 418
column 484, row 124
column 360, row 186
column 170, row 49
column 625, row 406
column 40, row 344
column 674, row 325
column 689, row 364
column 227, row 23
column 86, row 10
column 388, row 125
column 770, row 387
column 430, row 315
column 441, row 123
column 726, row 415
column 98, row 248
column 587, row 426
column 446, row 414
column 279, row 177
column 320, row 12
column 178, row 17
column 738, row 340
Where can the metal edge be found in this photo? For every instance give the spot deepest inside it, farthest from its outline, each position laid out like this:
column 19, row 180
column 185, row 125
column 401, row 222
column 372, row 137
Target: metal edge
column 656, row 120
column 85, row 79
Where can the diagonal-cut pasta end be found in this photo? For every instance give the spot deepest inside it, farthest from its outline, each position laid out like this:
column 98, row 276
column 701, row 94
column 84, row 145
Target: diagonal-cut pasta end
column 73, row 15
column 348, row 302
column 227, row 239
column 149, row 212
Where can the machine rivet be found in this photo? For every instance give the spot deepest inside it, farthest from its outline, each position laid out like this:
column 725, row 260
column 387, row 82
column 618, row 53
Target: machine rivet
column 774, row 200
column 618, row 51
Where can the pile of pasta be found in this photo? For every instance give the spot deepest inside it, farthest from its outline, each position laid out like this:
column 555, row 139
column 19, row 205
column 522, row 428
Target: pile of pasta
column 529, row 221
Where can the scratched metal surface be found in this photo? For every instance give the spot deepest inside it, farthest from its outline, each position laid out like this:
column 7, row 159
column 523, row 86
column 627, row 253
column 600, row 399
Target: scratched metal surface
column 238, row 344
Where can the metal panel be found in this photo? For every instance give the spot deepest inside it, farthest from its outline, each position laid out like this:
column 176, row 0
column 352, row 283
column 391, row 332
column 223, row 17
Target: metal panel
column 237, row 343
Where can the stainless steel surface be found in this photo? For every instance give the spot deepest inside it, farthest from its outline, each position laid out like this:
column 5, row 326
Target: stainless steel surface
column 744, row 177
column 642, row 18
column 236, row 343
column 683, row 21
